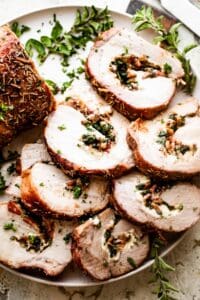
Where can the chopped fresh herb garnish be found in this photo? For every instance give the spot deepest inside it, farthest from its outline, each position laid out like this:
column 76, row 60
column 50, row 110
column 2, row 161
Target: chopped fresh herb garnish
column 4, row 109
column 53, row 86
column 19, row 29
column 62, row 127
column 11, row 169
column 10, row 226
column 145, row 19
column 77, row 191
column 89, row 22
column 167, row 68
column 42, row 184
column 59, row 151
column 131, row 262
column 17, row 185
column 67, row 238
column 159, row 270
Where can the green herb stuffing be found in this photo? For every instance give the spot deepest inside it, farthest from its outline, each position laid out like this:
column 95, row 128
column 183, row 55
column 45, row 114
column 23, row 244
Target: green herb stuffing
column 67, row 238
column 77, row 191
column 2, row 183
column 144, row 19
column 11, row 169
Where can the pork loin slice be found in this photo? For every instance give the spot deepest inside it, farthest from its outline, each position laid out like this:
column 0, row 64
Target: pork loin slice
column 23, row 92
column 33, row 243
column 81, row 145
column 107, row 246
column 168, row 147
column 46, row 188
column 135, row 76
column 168, row 207
column 33, row 153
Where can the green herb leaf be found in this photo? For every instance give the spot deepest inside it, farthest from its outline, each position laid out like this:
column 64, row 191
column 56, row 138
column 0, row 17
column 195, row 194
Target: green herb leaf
column 9, row 226
column 56, row 31
column 53, row 86
column 62, row 127
column 46, row 41
column 77, row 191
column 19, row 30
column 38, row 47
column 167, row 68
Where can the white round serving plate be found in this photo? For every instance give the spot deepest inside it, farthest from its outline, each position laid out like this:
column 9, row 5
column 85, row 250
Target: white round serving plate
column 51, row 69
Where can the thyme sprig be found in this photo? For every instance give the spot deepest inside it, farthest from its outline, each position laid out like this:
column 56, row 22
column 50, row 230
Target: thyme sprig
column 88, row 23
column 159, row 269
column 145, row 19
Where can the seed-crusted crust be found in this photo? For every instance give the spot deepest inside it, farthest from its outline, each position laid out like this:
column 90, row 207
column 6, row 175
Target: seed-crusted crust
column 22, row 90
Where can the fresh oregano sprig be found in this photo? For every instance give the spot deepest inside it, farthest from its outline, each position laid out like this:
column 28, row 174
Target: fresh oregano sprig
column 159, row 269
column 145, row 19
column 88, row 23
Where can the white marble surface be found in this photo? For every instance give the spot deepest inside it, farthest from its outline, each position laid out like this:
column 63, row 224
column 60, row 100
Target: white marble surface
column 185, row 258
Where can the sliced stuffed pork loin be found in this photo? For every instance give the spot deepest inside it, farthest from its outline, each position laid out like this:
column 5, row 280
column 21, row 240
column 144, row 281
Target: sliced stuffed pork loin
column 88, row 141
column 33, row 243
column 168, row 207
column 136, row 77
column 46, row 188
column 107, row 246
column 168, row 147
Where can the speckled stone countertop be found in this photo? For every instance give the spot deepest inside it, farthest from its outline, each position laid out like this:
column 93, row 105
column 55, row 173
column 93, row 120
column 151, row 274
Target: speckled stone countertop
column 185, row 258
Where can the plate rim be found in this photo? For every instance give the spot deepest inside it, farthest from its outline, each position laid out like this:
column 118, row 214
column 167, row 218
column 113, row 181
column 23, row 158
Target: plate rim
column 92, row 283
